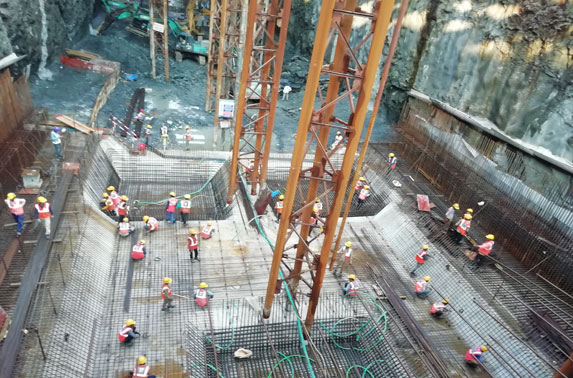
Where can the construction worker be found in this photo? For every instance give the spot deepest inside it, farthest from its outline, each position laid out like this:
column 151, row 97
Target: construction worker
column 187, row 137
column 125, row 228
column 109, row 207
column 148, row 135
column 286, row 90
column 421, row 258
column 193, row 245
column 351, row 287
column 317, row 207
column 279, row 206
column 344, row 257
column 16, row 206
column 166, row 295
column 470, row 211
column 337, row 140
column 473, row 355
column 165, row 136
column 138, row 251
column 422, row 288
column 359, row 185
column 202, row 295
column 484, row 249
column 185, row 208
column 122, row 208
column 437, row 309
column 170, row 207
column 141, row 370
column 128, row 332
column 57, row 141
column 44, row 214
column 113, row 195
column 462, row 227
column 451, row 216
column 364, row 193
column 392, row 161
column 207, row 231
column 151, row 224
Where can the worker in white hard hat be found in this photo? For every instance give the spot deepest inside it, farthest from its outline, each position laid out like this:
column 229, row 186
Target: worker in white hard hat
column 351, row 287
column 141, row 369
column 279, row 206
column 170, row 207
column 422, row 287
column 128, row 332
column 44, row 214
column 151, row 224
column 437, row 309
column 125, row 229
column 337, row 140
column 193, row 245
column 202, row 295
column 207, row 231
column 16, row 206
column 344, row 257
column 185, row 208
column 167, row 294
column 421, row 258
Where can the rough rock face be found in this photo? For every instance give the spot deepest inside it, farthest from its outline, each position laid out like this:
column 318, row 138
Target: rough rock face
column 508, row 61
column 21, row 26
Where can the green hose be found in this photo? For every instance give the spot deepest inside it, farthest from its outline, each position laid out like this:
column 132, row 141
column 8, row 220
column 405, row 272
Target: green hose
column 208, row 365
column 366, row 369
column 287, row 358
column 232, row 332
column 181, row 196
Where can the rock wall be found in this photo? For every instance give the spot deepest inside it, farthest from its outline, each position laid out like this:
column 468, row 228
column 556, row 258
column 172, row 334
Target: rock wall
column 21, row 27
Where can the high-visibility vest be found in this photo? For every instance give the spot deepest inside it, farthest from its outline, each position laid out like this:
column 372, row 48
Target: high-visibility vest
column 359, row 185
column 363, row 194
column 43, row 211
column 206, row 232
column 201, row 297
column 420, row 286
column 192, row 242
column 137, row 252
column 141, row 371
column 114, row 197
column 347, row 254
column 186, row 206
column 171, row 204
column 420, row 256
column 392, row 162
column 124, row 332
column 464, row 226
column 148, row 133
column 152, row 224
column 317, row 207
column 279, row 206
column 110, row 205
column 485, row 248
column 124, row 228
column 188, row 135
column 122, row 208
column 16, row 206
column 473, row 353
column 353, row 289
column 166, row 291
column 437, row 307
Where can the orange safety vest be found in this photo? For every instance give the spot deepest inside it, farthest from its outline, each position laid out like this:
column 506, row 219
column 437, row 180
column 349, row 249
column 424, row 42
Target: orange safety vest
column 124, row 332
column 436, row 307
column 353, row 289
column 114, row 197
column 124, row 228
column 166, row 291
column 172, row 203
column 206, row 232
column 485, row 248
column 279, row 207
column 16, row 206
column 420, row 256
column 137, row 252
column 110, row 205
column 363, row 194
column 44, row 211
column 141, row 371
column 420, row 286
column 201, row 297
column 186, row 206
column 358, row 185
column 192, row 242
column 122, row 208
column 464, row 226
column 153, row 224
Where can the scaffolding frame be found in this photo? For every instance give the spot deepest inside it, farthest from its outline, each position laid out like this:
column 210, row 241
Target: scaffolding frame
column 157, row 38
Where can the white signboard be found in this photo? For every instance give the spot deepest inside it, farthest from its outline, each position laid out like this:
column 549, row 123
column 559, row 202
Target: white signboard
column 158, row 27
column 226, row 108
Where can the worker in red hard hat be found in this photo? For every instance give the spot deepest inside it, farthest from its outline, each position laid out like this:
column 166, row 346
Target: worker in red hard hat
column 16, row 206
column 421, row 258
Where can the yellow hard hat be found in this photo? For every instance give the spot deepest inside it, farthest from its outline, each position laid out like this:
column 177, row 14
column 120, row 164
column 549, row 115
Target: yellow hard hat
column 148, row 126
column 145, row 218
column 338, row 133
column 105, row 195
column 348, row 244
column 186, row 127
column 456, row 206
column 172, row 194
column 445, row 301
column 203, row 285
column 391, row 154
column 166, row 280
column 282, row 197
column 187, row 196
column 468, row 216
column 361, row 178
column 111, row 187
column 126, row 219
column 315, row 209
column 427, row 278
column 484, row 348
column 470, row 210
column 124, row 198
column 352, row 277
column 366, row 186
column 141, row 360
column 129, row 322
column 425, row 246
column 317, row 200
column 192, row 232
column 142, row 241
column 42, row 200
column 209, row 223
column 11, row 196
column 489, row 236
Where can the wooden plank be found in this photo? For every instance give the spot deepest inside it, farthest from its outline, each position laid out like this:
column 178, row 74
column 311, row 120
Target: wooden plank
column 68, row 121
column 82, row 54
column 103, row 95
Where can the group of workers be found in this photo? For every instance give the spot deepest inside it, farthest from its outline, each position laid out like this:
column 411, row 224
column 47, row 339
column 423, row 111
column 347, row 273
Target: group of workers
column 164, row 135
column 42, row 210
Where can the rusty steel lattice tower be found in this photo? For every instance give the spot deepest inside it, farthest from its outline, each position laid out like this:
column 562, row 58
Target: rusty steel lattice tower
column 260, row 80
column 159, row 34
column 315, row 125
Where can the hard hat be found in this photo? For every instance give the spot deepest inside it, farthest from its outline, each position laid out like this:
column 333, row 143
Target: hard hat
column 352, row 277
column 348, row 244
column 192, row 232
column 56, row 129
column 111, row 187
column 427, row 278
column 456, row 206
column 166, row 280
column 129, row 322
column 141, row 111
column 126, row 219
column 468, row 216
column 187, row 196
column 445, row 301
column 338, row 133
column 142, row 241
column 484, row 348
column 42, row 200
column 489, row 236
column 11, row 196
column 145, row 218
column 141, row 360
column 425, row 246
column 187, row 127
column 315, row 209
column 203, row 285
column 105, row 195
column 149, row 126
column 172, row 194
column 317, row 200
column 124, row 198
column 391, row 154
column 470, row 210
column 209, row 223
column 361, row 178
column 282, row 197
column 366, row 186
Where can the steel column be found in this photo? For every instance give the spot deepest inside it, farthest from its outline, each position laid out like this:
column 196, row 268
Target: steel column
column 154, row 10
column 262, row 67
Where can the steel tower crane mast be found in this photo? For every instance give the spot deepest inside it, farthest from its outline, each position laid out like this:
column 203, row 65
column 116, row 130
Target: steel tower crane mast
column 328, row 178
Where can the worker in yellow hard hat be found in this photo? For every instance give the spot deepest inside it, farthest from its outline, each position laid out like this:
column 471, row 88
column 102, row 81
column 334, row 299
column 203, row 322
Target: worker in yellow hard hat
column 122, row 208
column 170, row 207
column 279, row 206
column 484, row 249
column 16, row 206
column 193, row 245
column 317, row 207
column 437, row 309
column 151, row 224
column 337, row 140
column 422, row 288
column 185, row 208
column 202, row 295
column 125, row 229
column 167, row 294
column 207, row 231
column 188, row 137
column 148, row 135
column 462, row 227
column 359, row 185
column 141, row 370
column 44, row 213
column 363, row 195
column 474, row 355
column 392, row 161
column 351, row 287
column 451, row 216
column 128, row 332
column 138, row 250
column 344, row 257
column 421, row 258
